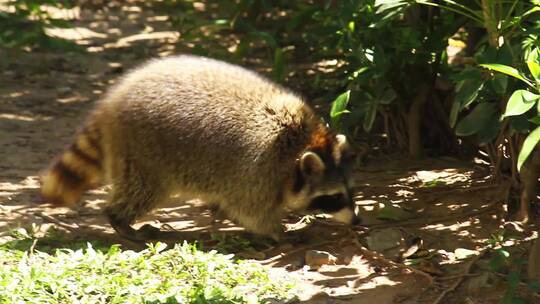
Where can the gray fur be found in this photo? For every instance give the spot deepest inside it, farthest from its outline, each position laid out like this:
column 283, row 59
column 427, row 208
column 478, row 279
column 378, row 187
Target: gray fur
column 208, row 130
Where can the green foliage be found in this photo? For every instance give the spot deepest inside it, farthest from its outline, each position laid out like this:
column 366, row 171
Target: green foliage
column 477, row 120
column 522, row 101
column 24, row 23
column 434, row 183
column 503, row 261
column 339, row 107
column 181, row 274
column 528, row 146
column 510, row 71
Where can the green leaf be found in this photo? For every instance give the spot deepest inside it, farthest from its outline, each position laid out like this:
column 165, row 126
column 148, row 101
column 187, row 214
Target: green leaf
column 351, row 26
column 508, row 71
column 487, row 55
column 279, row 66
column 339, row 107
column 519, row 124
column 370, row 114
column 504, row 54
column 269, row 39
column 504, row 253
column 528, row 146
column 533, row 55
column 520, row 102
column 467, row 91
column 499, row 83
column 387, row 97
column 535, row 120
column 476, row 120
column 534, row 68
column 490, row 131
column 456, row 106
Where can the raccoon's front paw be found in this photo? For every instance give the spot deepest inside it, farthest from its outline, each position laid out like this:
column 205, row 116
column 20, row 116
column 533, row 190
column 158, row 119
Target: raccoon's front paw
column 217, row 214
column 148, row 231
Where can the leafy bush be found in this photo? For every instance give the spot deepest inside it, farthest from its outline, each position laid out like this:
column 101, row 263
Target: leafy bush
column 389, row 55
column 522, row 101
column 181, row 274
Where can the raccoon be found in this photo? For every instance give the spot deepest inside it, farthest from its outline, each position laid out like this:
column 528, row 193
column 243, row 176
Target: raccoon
column 210, row 130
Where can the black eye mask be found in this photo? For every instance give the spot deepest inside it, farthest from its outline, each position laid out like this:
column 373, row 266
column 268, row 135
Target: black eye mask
column 328, row 203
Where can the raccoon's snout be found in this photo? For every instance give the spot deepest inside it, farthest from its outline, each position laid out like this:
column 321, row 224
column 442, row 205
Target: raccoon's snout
column 338, row 206
column 345, row 216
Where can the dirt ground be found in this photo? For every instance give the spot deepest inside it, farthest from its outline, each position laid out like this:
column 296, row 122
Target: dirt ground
column 431, row 248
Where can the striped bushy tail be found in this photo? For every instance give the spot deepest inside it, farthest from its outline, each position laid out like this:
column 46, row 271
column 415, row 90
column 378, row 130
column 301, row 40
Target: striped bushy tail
column 76, row 170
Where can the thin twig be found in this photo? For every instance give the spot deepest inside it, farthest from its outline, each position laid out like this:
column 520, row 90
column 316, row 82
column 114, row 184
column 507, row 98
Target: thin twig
column 56, row 221
column 458, row 276
column 497, row 171
column 31, row 250
column 513, row 160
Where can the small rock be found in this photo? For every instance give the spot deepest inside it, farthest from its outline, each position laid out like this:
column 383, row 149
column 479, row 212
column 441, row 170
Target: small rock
column 384, row 239
column 317, row 258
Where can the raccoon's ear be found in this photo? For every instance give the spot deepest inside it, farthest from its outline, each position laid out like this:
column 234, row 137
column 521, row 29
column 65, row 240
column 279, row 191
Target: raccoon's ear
column 311, row 164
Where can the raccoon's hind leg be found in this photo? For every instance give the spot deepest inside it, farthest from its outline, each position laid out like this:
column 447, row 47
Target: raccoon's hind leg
column 216, row 213
column 127, row 204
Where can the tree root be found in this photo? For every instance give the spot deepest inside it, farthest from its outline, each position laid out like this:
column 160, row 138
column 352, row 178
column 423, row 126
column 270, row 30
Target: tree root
column 56, row 221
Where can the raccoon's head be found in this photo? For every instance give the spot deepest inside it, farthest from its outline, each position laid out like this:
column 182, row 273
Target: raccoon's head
column 322, row 180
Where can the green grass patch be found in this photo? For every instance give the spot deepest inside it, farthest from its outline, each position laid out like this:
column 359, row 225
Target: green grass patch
column 434, row 183
column 181, row 274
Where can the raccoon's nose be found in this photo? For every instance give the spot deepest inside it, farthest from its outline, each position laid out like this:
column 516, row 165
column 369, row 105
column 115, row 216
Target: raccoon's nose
column 356, row 220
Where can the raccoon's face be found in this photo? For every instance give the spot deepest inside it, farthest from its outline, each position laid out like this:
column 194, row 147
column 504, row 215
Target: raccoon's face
column 322, row 182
